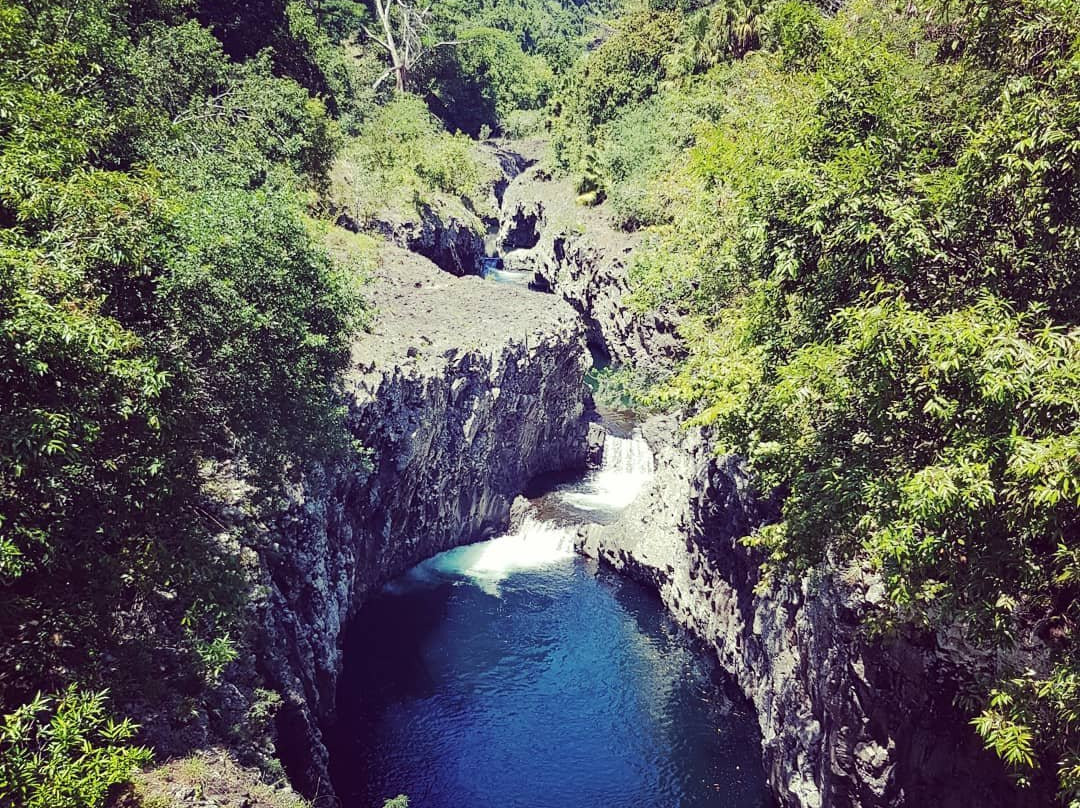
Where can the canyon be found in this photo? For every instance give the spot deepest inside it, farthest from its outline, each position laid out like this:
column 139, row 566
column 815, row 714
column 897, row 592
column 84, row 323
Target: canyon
column 466, row 389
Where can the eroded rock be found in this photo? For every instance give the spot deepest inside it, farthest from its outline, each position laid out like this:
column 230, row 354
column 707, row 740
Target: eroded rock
column 455, row 429
column 847, row 721
column 576, row 253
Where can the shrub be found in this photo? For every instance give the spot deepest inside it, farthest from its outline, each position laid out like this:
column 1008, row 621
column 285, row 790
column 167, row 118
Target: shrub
column 405, row 157
column 64, row 751
column 877, row 246
column 797, row 31
column 639, row 150
column 624, row 70
column 722, row 32
column 523, row 123
column 157, row 275
column 486, row 78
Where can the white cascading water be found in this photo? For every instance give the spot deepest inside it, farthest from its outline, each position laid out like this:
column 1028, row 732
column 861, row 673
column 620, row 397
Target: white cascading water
column 626, row 467
column 533, row 545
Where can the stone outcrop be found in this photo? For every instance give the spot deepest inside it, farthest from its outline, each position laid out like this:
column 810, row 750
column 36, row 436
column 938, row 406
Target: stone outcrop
column 451, row 232
column 847, row 721
column 464, row 390
column 451, row 239
column 576, row 253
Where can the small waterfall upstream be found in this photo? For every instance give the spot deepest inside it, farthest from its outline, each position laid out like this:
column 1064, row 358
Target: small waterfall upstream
column 626, row 467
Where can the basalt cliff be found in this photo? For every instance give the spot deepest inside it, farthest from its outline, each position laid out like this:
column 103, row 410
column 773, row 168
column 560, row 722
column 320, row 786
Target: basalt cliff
column 465, row 390
column 847, row 720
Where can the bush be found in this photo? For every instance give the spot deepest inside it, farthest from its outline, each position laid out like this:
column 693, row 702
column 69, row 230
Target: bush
column 721, row 32
column 877, row 246
column 638, row 150
column 624, row 70
column 795, row 29
column 157, row 275
column 524, row 123
column 486, row 78
column 64, row 751
column 404, row 157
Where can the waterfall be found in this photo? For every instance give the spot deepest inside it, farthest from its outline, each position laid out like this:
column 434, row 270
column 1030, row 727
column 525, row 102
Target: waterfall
column 534, row 545
column 628, row 455
column 626, row 467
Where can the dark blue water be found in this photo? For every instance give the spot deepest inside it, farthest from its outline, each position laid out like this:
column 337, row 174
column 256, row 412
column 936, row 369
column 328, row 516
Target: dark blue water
column 513, row 675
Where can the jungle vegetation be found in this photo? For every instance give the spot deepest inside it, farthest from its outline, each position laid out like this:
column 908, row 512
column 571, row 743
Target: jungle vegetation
column 867, row 215
column 870, row 218
column 174, row 323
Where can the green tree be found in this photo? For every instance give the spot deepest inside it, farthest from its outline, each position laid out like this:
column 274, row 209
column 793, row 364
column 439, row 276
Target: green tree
column 873, row 236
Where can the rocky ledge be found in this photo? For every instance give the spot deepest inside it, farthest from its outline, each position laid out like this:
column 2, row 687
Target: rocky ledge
column 464, row 390
column 576, row 253
column 847, row 721
column 452, row 232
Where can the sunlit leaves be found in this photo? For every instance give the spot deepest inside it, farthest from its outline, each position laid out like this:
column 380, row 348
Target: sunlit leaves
column 157, row 275
column 65, row 751
column 881, row 255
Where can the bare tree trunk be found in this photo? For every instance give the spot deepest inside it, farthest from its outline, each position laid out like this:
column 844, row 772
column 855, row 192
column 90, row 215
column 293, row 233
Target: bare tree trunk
column 405, row 45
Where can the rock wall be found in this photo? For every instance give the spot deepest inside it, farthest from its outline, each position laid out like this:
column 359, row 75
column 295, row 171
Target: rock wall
column 451, row 239
column 451, row 232
column 846, row 721
column 577, row 254
column 464, row 391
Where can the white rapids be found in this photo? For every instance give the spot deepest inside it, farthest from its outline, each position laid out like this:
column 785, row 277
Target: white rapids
column 626, row 466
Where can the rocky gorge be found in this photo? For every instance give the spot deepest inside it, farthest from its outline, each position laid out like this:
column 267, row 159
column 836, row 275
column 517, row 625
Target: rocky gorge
column 576, row 253
column 466, row 390
column 847, row 719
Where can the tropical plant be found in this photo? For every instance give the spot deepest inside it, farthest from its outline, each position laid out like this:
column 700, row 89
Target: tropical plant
column 874, row 237
column 64, row 751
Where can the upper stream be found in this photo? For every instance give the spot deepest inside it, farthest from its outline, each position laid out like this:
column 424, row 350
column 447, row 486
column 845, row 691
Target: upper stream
column 513, row 674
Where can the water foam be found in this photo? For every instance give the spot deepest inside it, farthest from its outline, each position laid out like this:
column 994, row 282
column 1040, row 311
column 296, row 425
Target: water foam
column 626, row 467
column 534, row 545
column 516, row 277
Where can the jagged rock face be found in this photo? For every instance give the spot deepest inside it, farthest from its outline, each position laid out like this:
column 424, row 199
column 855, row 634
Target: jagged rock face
column 451, row 233
column 847, row 721
column 577, row 254
column 452, row 241
column 465, row 390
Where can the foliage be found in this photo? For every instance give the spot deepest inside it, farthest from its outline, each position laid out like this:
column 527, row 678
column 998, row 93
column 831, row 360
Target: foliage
column 479, row 63
column 625, row 69
column 715, row 35
column 64, row 751
column 302, row 41
column 487, row 78
column 157, row 275
column 622, row 388
column 873, row 231
column 405, row 158
column 614, row 134
column 796, row 31
column 638, row 150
